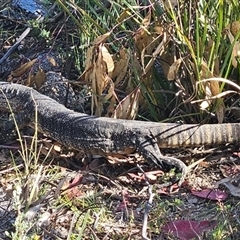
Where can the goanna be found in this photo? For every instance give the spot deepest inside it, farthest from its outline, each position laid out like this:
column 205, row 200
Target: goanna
column 106, row 136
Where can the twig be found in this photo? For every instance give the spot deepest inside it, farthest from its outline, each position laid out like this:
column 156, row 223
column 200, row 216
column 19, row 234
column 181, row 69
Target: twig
column 148, row 206
column 19, row 40
column 20, row 166
column 8, row 147
column 15, row 45
column 72, row 224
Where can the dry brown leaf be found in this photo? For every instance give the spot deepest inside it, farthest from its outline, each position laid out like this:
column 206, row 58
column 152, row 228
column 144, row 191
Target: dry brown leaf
column 102, row 38
column 232, row 30
column 213, row 95
column 147, row 20
column 107, row 58
column 30, row 80
column 39, row 78
column 206, row 103
column 101, row 72
column 110, row 92
column 52, row 61
column 214, row 87
column 89, row 75
column 121, row 66
column 236, row 48
column 166, row 59
column 235, row 54
column 217, row 66
column 98, row 72
column 210, row 98
column 149, row 41
column 211, row 88
column 128, row 107
column 88, row 65
column 174, row 69
column 218, row 96
column 235, row 28
column 102, row 80
column 170, row 3
column 22, row 69
column 124, row 15
column 143, row 37
column 205, row 72
column 207, row 53
column 220, row 111
column 158, row 30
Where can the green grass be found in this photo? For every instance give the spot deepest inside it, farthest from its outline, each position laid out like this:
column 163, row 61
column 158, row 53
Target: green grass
column 195, row 34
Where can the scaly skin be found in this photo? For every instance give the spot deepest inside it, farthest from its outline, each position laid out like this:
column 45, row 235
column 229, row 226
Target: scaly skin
column 106, row 136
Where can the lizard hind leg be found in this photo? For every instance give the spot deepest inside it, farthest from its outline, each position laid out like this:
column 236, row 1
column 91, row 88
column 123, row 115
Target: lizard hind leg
column 148, row 148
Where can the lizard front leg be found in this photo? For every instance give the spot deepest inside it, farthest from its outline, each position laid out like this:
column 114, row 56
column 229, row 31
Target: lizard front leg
column 147, row 146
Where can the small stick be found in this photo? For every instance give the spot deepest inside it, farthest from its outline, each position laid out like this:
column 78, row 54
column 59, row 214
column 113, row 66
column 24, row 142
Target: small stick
column 15, row 45
column 148, row 206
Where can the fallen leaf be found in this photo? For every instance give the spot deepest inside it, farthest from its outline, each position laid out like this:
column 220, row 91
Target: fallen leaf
column 30, row 80
column 121, row 66
column 230, row 171
column 213, row 194
column 125, row 201
column 99, row 65
column 188, row 229
column 23, row 68
column 107, row 58
column 128, row 107
column 71, row 188
column 52, row 61
column 40, row 78
column 151, row 175
column 172, row 72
